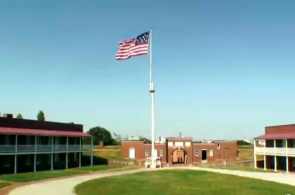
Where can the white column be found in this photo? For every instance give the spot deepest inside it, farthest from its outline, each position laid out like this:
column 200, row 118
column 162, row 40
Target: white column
column 264, row 155
column 67, row 153
column 255, row 160
column 287, row 158
column 275, row 155
column 91, row 151
column 80, row 152
column 15, row 156
column 35, row 155
column 52, row 149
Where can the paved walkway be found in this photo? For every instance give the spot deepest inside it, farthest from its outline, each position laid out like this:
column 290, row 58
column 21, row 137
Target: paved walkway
column 66, row 186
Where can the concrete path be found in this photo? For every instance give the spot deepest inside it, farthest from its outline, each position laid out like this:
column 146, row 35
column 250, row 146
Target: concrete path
column 66, row 186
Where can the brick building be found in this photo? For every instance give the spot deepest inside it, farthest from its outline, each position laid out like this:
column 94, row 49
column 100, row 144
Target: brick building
column 181, row 150
column 277, row 148
column 29, row 145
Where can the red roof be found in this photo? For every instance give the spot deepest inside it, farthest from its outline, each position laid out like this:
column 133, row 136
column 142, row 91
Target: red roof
column 290, row 135
column 5, row 130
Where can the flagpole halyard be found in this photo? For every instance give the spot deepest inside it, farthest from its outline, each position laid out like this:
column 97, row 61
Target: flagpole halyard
column 152, row 91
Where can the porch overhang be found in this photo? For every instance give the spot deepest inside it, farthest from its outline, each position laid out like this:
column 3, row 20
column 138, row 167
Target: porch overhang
column 41, row 132
column 290, row 135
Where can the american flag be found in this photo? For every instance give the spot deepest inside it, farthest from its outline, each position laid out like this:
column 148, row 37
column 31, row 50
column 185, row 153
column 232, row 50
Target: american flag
column 133, row 47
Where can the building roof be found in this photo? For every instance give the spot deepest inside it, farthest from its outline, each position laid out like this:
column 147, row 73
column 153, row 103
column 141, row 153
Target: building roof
column 277, row 136
column 20, row 131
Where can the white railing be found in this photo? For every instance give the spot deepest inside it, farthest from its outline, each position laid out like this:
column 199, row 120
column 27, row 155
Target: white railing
column 7, row 148
column 275, row 151
column 291, row 151
column 43, row 148
column 60, row 147
column 86, row 147
column 25, row 148
column 74, row 147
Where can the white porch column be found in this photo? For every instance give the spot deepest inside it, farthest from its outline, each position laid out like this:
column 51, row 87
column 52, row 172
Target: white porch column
column 275, row 156
column 287, row 157
column 255, row 161
column 35, row 155
column 264, row 155
column 52, row 149
column 15, row 156
column 80, row 152
column 67, row 156
column 91, row 151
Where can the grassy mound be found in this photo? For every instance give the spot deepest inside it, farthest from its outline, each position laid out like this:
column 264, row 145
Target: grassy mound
column 179, row 182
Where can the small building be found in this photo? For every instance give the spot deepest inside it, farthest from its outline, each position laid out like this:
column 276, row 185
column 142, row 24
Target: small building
column 181, row 150
column 275, row 150
column 30, row 145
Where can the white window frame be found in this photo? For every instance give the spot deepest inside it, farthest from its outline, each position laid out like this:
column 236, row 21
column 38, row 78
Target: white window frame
column 134, row 152
column 218, row 145
column 197, row 152
column 161, row 152
column 146, row 152
column 211, row 152
column 178, row 143
column 170, row 143
column 187, row 143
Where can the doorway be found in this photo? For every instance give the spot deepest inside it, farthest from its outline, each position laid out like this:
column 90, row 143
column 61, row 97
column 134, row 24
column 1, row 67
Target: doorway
column 204, row 156
column 178, row 156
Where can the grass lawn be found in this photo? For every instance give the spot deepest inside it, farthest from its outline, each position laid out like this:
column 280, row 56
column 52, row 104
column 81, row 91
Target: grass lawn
column 2, row 185
column 108, row 147
column 245, row 153
column 180, row 182
column 34, row 176
column 240, row 168
column 111, row 155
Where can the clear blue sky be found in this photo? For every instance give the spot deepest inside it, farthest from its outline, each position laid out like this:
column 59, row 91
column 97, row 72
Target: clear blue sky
column 222, row 69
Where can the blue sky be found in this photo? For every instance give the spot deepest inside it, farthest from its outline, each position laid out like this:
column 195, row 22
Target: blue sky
column 222, row 69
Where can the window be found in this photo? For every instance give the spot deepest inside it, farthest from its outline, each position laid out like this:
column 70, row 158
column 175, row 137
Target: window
column 178, row 143
column 218, row 145
column 196, row 152
column 211, row 152
column 170, row 143
column 187, row 143
column 161, row 152
column 146, row 152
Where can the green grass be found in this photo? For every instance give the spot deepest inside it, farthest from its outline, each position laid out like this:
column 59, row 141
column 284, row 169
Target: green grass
column 180, row 182
column 2, row 185
column 108, row 147
column 34, row 176
column 240, row 168
column 111, row 155
column 245, row 153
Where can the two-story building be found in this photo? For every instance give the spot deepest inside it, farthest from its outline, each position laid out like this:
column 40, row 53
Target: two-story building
column 276, row 148
column 29, row 145
column 181, row 150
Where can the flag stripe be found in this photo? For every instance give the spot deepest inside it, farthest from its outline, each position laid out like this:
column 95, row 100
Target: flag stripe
column 133, row 47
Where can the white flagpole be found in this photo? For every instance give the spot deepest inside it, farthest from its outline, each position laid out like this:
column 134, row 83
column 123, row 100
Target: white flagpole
column 152, row 91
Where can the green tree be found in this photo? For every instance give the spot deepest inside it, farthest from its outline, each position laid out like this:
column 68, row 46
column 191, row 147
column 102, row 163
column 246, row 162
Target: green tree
column 41, row 116
column 19, row 116
column 145, row 140
column 101, row 134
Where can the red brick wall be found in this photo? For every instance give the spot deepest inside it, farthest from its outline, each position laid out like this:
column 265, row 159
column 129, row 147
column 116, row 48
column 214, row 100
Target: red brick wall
column 139, row 150
column 187, row 149
column 158, row 147
column 227, row 151
column 280, row 129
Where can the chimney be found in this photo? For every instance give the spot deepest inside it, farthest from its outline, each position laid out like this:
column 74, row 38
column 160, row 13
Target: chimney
column 7, row 115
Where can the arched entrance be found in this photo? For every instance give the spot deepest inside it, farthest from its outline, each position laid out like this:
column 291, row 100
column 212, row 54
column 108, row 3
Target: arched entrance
column 179, row 156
